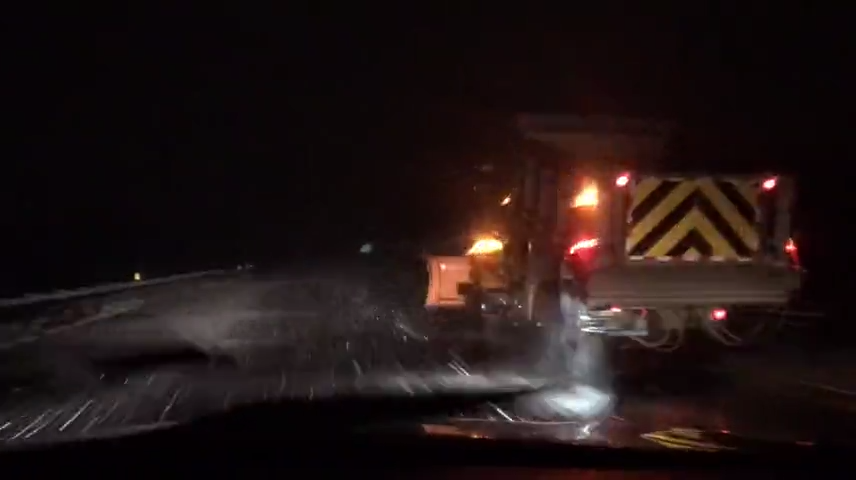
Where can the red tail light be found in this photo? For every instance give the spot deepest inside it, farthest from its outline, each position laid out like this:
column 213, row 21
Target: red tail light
column 582, row 245
column 769, row 184
column 622, row 180
column 718, row 314
column 580, row 257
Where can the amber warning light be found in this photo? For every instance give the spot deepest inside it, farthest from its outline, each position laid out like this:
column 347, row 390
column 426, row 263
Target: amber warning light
column 587, row 197
column 485, row 246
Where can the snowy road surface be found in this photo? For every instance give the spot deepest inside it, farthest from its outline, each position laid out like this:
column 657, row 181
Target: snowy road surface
column 173, row 353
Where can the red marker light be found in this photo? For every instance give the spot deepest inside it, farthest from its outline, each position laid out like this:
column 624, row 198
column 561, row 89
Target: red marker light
column 614, row 309
column 769, row 184
column 791, row 249
column 622, row 180
column 718, row 315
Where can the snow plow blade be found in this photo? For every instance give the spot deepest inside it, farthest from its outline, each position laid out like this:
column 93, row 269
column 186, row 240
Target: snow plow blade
column 447, row 276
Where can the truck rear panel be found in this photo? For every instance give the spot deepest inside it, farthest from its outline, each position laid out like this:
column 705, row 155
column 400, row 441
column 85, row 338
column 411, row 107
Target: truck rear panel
column 653, row 239
column 694, row 240
column 681, row 284
column 693, row 219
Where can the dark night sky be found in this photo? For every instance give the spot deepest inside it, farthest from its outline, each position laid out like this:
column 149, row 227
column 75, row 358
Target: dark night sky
column 174, row 141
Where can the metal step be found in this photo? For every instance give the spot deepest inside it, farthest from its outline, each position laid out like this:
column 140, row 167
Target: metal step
column 613, row 323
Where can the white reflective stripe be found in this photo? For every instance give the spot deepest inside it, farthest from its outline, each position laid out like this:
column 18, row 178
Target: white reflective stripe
column 30, row 299
column 714, row 258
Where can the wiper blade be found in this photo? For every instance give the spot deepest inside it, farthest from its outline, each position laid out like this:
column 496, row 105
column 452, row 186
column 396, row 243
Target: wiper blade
column 178, row 356
column 346, row 412
column 450, row 383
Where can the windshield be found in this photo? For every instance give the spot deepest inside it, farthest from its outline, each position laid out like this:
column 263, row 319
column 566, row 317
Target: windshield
column 234, row 209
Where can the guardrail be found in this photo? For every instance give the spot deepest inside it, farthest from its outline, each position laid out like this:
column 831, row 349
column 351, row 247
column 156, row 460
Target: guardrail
column 29, row 299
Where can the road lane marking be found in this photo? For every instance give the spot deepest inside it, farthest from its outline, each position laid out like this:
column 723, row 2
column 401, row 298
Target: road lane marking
column 685, row 439
column 823, row 386
column 111, row 313
column 29, row 299
column 782, row 380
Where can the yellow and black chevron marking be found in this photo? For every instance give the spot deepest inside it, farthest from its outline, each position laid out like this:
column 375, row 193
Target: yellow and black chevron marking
column 691, row 218
column 685, row 439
